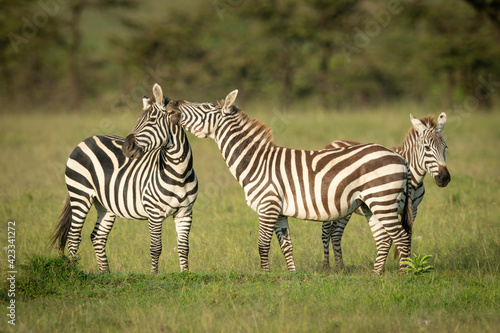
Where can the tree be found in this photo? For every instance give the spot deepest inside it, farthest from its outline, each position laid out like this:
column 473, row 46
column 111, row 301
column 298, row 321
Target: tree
column 457, row 46
column 489, row 8
column 329, row 22
column 74, row 39
column 41, row 44
column 282, row 25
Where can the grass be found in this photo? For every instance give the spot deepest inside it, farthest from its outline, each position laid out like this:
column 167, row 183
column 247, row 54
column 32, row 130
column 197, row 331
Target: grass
column 226, row 291
column 243, row 301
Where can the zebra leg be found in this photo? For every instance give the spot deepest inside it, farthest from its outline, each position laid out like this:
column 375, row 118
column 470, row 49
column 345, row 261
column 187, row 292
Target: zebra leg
column 155, row 226
column 403, row 243
column 268, row 215
column 326, row 230
column 401, row 239
column 183, row 226
column 99, row 237
column 80, row 206
column 265, row 235
column 336, row 236
column 383, row 242
column 283, row 233
column 388, row 218
column 269, row 212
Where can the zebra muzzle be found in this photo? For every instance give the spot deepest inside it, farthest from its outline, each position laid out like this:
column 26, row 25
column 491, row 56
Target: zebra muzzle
column 443, row 177
column 130, row 148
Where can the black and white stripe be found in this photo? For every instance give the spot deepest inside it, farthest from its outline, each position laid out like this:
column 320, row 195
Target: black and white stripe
column 149, row 175
column 424, row 149
column 315, row 185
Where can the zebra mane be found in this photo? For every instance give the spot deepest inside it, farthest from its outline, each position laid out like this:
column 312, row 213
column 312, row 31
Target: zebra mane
column 427, row 120
column 260, row 130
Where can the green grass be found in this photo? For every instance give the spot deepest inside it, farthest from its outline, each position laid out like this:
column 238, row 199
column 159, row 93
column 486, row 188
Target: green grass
column 243, row 301
column 226, row 291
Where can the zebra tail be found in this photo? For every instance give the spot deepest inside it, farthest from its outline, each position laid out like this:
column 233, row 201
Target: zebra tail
column 407, row 216
column 60, row 233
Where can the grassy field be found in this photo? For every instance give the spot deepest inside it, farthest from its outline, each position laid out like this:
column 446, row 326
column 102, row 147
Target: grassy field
column 226, row 291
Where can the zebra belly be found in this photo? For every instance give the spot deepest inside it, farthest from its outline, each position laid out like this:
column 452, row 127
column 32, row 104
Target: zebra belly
column 314, row 213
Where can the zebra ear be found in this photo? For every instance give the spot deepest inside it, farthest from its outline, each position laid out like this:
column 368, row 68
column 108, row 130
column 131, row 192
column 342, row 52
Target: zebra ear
column 441, row 121
column 229, row 101
column 158, row 93
column 146, row 103
column 418, row 125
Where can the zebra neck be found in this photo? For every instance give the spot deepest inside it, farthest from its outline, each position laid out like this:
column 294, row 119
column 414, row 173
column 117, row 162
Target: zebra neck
column 409, row 152
column 244, row 143
column 178, row 155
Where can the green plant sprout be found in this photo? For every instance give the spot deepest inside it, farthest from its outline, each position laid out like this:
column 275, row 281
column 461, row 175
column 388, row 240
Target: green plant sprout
column 417, row 264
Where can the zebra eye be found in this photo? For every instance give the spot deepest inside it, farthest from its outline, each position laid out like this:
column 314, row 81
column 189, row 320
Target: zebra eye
column 427, row 147
column 206, row 107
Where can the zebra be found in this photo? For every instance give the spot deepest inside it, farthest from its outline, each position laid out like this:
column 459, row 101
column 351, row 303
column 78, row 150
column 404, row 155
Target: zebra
column 281, row 182
column 148, row 175
column 424, row 149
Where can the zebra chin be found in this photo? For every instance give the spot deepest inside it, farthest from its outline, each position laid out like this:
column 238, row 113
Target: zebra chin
column 130, row 149
column 443, row 176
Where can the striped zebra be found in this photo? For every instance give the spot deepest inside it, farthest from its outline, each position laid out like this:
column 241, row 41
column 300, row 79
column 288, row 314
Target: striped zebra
column 314, row 185
column 149, row 175
column 424, row 149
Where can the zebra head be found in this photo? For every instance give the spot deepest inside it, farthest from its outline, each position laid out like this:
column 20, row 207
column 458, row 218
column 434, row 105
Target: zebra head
column 430, row 148
column 152, row 129
column 201, row 119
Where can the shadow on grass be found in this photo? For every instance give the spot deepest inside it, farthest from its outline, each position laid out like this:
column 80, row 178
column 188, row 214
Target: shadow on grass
column 61, row 277
column 40, row 276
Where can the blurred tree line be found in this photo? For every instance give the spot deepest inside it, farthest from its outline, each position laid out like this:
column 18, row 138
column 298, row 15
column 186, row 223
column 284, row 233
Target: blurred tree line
column 331, row 53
